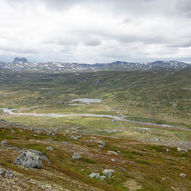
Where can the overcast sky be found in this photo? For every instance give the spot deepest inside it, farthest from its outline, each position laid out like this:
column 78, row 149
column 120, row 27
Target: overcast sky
column 90, row 31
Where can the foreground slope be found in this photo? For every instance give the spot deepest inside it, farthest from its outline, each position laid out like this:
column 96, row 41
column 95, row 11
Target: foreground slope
column 137, row 166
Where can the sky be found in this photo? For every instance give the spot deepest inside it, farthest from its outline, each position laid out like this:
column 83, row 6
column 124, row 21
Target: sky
column 92, row 31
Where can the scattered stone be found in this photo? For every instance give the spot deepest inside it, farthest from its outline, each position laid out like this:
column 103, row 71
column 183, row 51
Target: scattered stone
column 112, row 152
column 4, row 142
column 113, row 160
column 6, row 173
column 163, row 178
column 94, row 175
column 181, row 149
column 102, row 178
column 51, row 133
column 9, row 174
column 50, row 148
column 76, row 156
column 12, row 131
column 75, row 137
column 108, row 172
column 167, row 150
column 101, row 144
column 182, row 175
column 2, row 171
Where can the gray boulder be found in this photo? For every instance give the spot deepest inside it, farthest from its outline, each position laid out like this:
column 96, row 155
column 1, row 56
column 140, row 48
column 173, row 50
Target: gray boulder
column 31, row 159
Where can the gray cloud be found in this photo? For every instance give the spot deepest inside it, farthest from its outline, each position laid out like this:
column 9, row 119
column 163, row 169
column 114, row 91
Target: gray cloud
column 95, row 30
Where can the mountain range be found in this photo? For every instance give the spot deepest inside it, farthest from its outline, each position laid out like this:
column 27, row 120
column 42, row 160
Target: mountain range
column 22, row 64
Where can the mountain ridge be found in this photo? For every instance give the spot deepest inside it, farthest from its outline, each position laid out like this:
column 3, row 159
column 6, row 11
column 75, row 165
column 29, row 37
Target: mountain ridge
column 22, row 64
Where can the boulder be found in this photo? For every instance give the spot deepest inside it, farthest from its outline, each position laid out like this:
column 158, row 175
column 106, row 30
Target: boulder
column 29, row 159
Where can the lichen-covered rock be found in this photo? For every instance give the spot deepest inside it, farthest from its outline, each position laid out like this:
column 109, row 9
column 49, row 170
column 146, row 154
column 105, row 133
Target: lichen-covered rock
column 29, row 159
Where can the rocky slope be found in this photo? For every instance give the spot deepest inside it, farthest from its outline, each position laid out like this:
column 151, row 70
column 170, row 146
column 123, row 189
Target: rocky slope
column 105, row 163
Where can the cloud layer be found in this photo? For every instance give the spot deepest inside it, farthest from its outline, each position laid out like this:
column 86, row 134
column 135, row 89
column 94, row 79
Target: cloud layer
column 95, row 30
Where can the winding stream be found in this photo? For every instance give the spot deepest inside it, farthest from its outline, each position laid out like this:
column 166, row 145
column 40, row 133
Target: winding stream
column 55, row 115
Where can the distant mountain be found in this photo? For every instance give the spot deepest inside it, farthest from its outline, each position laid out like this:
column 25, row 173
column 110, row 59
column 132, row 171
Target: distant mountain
column 20, row 60
column 21, row 64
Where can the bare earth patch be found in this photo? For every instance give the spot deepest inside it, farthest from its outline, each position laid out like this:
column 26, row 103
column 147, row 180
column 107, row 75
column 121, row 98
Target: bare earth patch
column 132, row 185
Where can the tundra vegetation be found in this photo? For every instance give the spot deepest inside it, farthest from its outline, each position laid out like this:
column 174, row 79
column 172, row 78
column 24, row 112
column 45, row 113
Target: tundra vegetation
column 148, row 151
